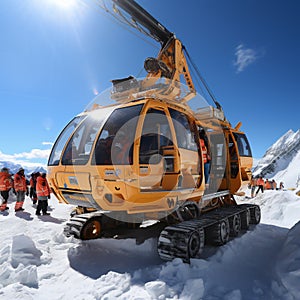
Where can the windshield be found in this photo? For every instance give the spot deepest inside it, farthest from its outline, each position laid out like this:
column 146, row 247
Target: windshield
column 62, row 140
column 79, row 147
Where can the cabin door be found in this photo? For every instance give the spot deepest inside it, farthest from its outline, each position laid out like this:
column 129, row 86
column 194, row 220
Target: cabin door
column 158, row 156
column 233, row 164
column 218, row 179
column 187, row 144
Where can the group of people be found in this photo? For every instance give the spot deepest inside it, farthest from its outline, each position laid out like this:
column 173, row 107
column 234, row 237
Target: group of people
column 259, row 184
column 39, row 190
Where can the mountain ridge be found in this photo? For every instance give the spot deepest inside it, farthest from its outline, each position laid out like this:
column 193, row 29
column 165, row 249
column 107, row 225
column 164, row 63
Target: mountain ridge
column 14, row 167
column 282, row 159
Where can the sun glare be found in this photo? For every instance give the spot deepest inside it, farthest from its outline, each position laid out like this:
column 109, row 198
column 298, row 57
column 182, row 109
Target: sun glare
column 64, row 4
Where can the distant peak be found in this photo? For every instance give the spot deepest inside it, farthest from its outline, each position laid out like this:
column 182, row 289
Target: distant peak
column 279, row 156
column 289, row 133
column 284, row 139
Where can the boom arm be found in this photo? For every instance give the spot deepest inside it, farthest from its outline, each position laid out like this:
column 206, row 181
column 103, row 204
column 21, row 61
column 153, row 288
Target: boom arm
column 171, row 62
column 141, row 16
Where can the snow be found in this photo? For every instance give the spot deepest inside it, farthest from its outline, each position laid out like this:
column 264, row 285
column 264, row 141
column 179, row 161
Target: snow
column 38, row 262
column 289, row 175
column 281, row 208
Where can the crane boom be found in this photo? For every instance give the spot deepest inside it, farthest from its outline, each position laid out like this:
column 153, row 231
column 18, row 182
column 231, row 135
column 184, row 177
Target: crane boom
column 171, row 62
column 141, row 16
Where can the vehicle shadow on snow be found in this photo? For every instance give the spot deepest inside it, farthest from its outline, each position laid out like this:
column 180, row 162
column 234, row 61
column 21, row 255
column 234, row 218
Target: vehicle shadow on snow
column 51, row 219
column 97, row 257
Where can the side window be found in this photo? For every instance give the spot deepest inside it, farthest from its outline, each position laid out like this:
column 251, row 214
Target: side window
column 184, row 130
column 243, row 144
column 218, row 154
column 156, row 134
column 115, row 143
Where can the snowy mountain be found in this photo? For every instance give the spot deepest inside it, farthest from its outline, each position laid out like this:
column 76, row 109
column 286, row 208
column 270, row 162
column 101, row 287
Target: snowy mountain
column 38, row 262
column 282, row 160
column 14, row 167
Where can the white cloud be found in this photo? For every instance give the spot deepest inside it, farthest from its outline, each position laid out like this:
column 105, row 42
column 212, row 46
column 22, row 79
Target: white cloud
column 33, row 154
column 27, row 158
column 244, row 57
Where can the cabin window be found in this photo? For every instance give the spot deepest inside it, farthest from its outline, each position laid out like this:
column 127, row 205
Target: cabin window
column 115, row 143
column 62, row 140
column 80, row 145
column 218, row 157
column 243, row 144
column 156, row 135
column 184, row 131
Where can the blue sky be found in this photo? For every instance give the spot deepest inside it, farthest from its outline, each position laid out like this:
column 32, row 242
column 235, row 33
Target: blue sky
column 54, row 57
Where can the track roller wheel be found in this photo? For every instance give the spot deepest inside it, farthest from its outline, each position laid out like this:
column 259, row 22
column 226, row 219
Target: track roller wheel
column 195, row 243
column 245, row 219
column 235, row 225
column 255, row 214
column 218, row 234
column 91, row 229
column 184, row 240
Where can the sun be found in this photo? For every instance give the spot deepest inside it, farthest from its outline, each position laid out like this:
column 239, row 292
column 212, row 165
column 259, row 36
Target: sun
column 62, row 11
column 64, row 4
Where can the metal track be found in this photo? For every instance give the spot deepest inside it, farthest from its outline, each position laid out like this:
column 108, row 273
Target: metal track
column 212, row 228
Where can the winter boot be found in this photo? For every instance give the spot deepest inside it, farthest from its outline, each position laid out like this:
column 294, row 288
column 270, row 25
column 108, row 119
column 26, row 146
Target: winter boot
column 18, row 206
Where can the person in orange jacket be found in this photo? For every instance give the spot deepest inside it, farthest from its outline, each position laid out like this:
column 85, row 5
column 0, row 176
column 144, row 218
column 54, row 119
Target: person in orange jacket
column 261, row 184
column 205, row 155
column 32, row 181
column 5, row 186
column 21, row 189
column 43, row 194
column 268, row 185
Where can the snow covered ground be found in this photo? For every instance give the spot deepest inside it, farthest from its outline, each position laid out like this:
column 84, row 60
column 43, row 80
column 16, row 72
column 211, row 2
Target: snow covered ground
column 38, row 262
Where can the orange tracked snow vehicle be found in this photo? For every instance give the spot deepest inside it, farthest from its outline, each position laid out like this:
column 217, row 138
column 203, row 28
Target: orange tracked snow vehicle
column 141, row 159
